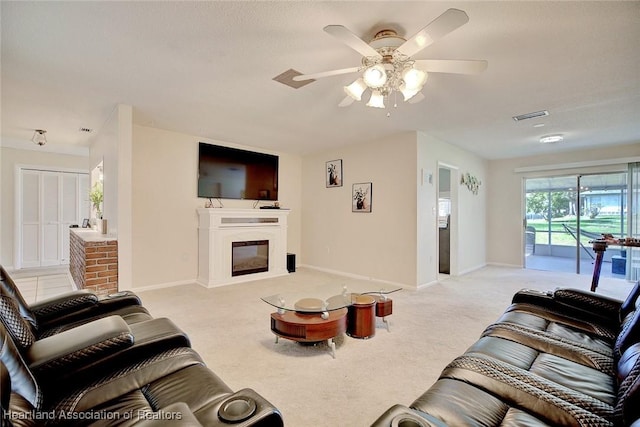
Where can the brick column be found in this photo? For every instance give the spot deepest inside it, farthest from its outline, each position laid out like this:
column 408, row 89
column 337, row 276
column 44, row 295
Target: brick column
column 94, row 264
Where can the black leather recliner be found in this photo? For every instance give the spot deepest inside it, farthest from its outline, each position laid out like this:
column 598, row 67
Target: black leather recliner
column 92, row 367
column 52, row 315
column 561, row 358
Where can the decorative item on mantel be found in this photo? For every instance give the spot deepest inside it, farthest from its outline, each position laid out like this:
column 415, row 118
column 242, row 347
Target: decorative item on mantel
column 472, row 183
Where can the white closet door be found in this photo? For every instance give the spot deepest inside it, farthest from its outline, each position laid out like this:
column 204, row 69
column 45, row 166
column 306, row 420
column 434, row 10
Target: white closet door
column 70, row 203
column 29, row 247
column 50, row 201
column 51, row 221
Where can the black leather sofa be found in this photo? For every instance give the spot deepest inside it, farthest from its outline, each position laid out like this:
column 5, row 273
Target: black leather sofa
column 80, row 360
column 559, row 358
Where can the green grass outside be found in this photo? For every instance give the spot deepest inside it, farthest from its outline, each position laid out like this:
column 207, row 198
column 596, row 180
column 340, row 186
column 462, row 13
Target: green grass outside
column 559, row 236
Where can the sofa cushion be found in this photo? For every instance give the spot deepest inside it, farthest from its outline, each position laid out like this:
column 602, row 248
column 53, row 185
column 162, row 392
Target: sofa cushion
column 17, row 327
column 9, row 286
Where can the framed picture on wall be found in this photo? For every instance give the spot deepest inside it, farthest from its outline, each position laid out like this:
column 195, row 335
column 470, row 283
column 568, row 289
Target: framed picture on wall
column 361, row 197
column 333, row 172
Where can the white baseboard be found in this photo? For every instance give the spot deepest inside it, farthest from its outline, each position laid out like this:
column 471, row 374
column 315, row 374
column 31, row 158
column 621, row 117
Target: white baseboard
column 500, row 264
column 356, row 276
column 472, row 269
column 163, row 285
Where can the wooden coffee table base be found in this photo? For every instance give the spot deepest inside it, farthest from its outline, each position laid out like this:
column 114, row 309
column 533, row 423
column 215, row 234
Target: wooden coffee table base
column 310, row 327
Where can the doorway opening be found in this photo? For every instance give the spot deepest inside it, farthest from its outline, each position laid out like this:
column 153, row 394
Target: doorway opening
column 446, row 220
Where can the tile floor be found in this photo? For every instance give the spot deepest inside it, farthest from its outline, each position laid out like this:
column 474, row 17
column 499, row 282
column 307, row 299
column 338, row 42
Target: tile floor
column 38, row 284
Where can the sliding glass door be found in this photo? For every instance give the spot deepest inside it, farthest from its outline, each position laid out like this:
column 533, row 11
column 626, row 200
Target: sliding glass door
column 564, row 213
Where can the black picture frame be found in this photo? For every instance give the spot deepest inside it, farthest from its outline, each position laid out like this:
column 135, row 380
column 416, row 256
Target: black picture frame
column 361, row 197
column 333, row 172
column 85, row 223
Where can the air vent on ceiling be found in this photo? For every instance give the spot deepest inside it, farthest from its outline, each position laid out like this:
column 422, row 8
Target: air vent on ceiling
column 85, row 130
column 531, row 115
column 286, row 78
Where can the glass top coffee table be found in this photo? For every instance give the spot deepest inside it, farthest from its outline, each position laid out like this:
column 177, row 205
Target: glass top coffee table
column 318, row 315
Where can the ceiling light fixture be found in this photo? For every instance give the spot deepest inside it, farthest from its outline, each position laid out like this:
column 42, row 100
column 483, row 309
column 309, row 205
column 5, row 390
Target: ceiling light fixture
column 390, row 71
column 551, row 139
column 39, row 137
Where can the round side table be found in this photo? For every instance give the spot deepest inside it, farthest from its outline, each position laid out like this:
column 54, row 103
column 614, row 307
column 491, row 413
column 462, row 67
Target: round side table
column 361, row 317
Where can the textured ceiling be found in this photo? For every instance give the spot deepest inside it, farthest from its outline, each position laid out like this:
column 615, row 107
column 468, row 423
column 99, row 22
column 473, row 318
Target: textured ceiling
column 206, row 68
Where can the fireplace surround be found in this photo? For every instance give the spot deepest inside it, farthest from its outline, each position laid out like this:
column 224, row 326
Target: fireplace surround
column 221, row 230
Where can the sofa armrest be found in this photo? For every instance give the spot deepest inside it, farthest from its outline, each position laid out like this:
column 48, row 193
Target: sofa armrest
column 399, row 415
column 575, row 303
column 588, row 301
column 78, row 346
column 122, row 298
column 60, row 305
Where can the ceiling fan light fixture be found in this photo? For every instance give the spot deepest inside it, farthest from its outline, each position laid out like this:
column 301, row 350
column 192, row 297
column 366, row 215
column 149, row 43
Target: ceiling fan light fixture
column 356, row 89
column 39, row 137
column 376, row 100
column 408, row 93
column 375, row 76
column 413, row 78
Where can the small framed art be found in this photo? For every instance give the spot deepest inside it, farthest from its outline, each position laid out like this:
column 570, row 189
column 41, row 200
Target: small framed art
column 361, row 197
column 85, row 223
column 334, row 173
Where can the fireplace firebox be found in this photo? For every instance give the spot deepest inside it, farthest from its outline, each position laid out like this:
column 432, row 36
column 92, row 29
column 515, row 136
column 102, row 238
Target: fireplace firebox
column 249, row 257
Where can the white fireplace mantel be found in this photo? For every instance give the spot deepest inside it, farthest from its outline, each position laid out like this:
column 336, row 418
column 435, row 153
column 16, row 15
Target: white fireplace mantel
column 218, row 228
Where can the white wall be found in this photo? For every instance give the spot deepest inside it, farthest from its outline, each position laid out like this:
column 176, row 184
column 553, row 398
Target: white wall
column 10, row 157
column 505, row 213
column 468, row 218
column 112, row 146
column 164, row 192
column 379, row 245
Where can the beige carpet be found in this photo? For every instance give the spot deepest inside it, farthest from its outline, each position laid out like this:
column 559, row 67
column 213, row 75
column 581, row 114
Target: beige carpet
column 229, row 327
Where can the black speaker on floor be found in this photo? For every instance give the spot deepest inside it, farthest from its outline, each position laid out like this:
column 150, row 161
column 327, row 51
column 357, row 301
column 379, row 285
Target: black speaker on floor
column 291, row 263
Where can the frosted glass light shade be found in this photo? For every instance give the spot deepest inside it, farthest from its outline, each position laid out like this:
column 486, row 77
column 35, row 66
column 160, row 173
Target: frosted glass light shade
column 375, row 76
column 376, row 100
column 414, row 78
column 408, row 93
column 355, row 89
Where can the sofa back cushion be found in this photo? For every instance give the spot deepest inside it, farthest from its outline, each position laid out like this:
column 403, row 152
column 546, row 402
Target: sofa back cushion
column 629, row 303
column 16, row 326
column 9, row 287
column 629, row 334
column 628, row 404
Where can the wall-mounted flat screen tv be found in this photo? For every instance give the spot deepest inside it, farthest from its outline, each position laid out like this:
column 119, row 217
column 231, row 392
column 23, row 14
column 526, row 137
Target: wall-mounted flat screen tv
column 231, row 173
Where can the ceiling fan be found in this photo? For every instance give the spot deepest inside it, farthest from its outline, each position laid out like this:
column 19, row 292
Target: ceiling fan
column 388, row 64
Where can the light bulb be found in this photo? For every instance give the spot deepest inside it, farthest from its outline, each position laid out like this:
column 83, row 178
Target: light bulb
column 375, row 76
column 408, row 93
column 414, row 79
column 376, row 100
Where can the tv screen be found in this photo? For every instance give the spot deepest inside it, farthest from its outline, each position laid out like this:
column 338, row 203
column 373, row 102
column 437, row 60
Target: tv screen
column 231, row 173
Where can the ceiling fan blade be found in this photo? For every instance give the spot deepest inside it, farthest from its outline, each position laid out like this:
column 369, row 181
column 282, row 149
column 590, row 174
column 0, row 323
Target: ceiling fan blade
column 454, row 66
column 325, row 74
column 351, row 40
column 436, row 29
column 346, row 101
column 416, row 98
